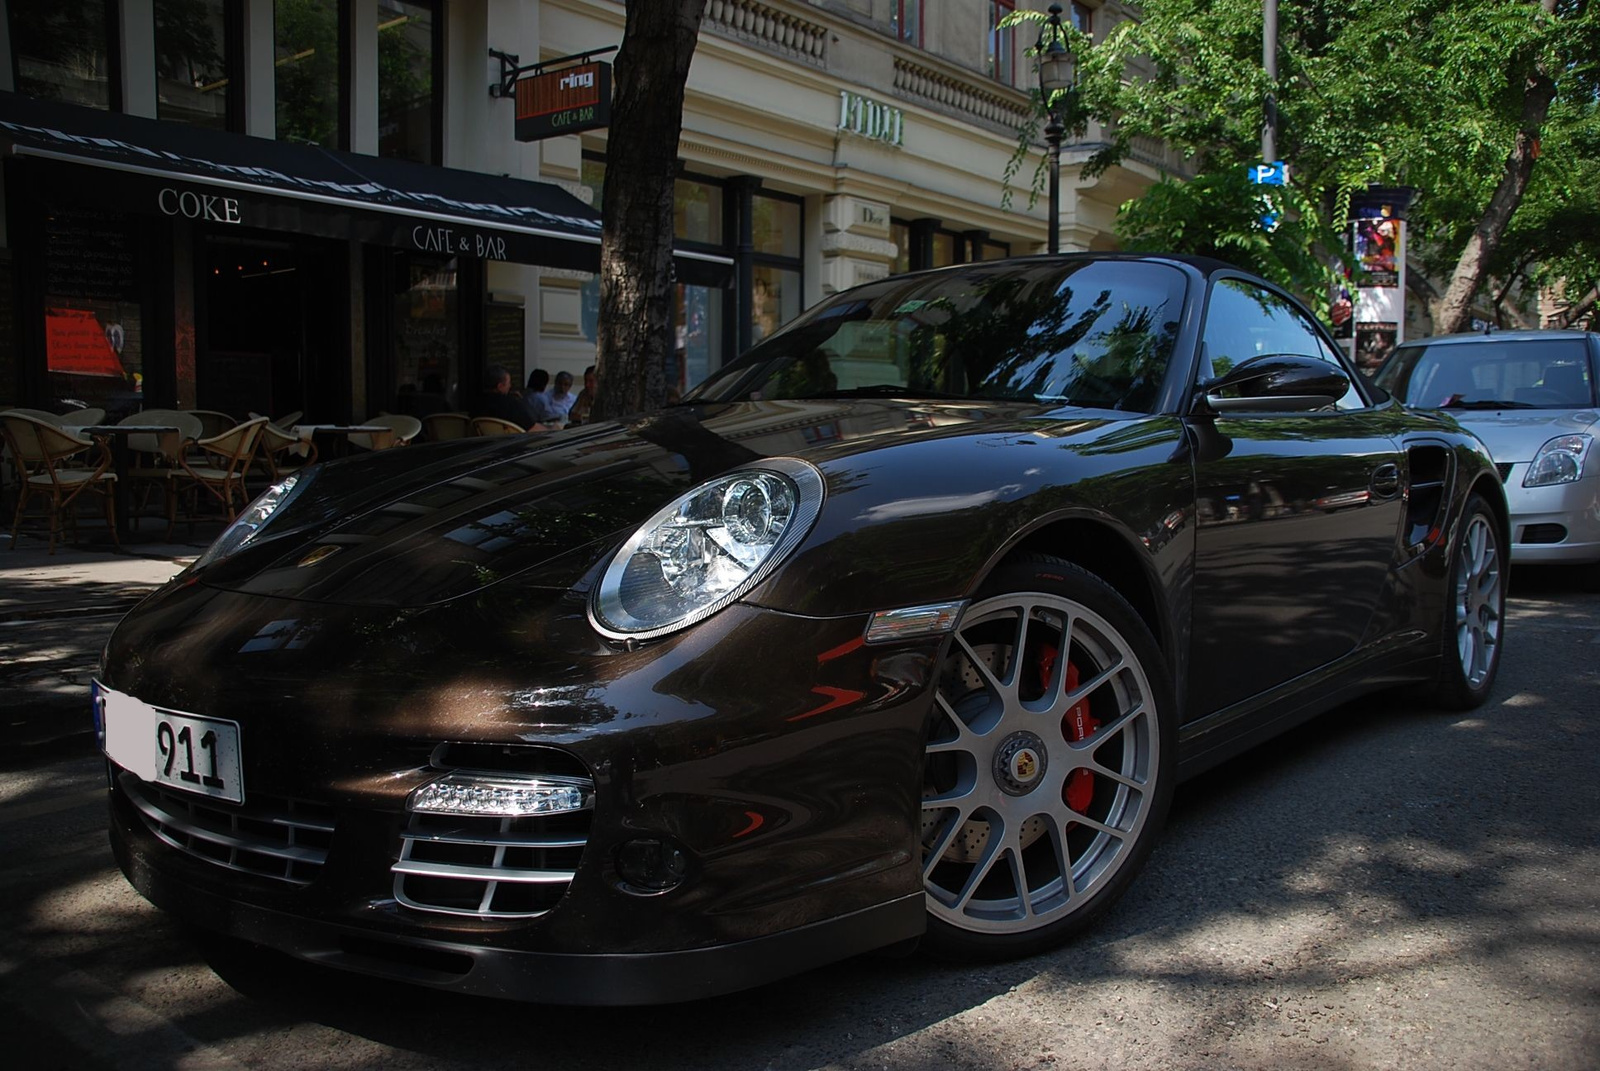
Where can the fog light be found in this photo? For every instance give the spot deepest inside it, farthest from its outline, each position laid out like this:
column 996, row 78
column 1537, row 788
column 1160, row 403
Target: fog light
column 652, row 865
column 501, row 795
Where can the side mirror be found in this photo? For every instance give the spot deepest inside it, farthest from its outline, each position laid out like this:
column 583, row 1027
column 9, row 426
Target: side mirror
column 1275, row 383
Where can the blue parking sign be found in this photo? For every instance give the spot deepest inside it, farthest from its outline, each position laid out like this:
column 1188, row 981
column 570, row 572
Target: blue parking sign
column 1275, row 173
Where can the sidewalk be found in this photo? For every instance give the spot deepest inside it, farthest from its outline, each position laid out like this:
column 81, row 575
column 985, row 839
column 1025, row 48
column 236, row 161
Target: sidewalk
column 56, row 613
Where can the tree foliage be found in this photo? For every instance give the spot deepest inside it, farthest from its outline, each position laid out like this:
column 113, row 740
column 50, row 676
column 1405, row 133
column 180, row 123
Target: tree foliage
column 1431, row 94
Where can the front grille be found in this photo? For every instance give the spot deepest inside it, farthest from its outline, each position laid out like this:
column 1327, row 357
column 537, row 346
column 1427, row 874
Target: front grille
column 271, row 836
column 488, row 867
column 1544, row 533
column 1504, row 468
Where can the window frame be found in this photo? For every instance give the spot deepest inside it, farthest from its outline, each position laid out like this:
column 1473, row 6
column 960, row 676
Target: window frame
column 996, row 37
column 436, row 88
column 900, row 25
column 233, row 63
column 113, row 46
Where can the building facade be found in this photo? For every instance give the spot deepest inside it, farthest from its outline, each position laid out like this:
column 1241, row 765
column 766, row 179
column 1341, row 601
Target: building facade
column 319, row 205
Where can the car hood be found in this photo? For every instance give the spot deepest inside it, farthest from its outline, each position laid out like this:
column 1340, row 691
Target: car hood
column 425, row 524
column 1515, row 435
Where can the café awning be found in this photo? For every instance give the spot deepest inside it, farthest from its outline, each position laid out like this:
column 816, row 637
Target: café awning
column 231, row 180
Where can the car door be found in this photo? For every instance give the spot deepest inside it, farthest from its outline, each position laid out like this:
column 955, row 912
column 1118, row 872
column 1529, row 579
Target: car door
column 1297, row 513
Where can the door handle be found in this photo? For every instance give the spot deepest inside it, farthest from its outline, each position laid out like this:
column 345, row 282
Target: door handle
column 1385, row 481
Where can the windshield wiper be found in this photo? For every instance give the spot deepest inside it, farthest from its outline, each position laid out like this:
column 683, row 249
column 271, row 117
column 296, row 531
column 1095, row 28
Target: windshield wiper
column 1456, row 403
column 887, row 390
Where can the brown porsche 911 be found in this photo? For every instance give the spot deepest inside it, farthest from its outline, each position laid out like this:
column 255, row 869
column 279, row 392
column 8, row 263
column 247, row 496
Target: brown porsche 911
column 902, row 626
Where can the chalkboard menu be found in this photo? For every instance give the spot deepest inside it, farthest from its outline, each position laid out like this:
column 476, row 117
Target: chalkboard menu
column 90, row 255
column 504, row 339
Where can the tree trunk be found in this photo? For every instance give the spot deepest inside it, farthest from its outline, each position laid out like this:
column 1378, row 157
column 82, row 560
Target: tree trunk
column 658, row 43
column 1582, row 308
column 1453, row 313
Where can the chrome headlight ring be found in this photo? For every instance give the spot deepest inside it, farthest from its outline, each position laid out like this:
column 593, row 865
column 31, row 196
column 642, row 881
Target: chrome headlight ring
column 706, row 549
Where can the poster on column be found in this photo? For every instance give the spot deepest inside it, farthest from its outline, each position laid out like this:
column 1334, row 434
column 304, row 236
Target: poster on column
column 1374, row 342
column 1377, row 249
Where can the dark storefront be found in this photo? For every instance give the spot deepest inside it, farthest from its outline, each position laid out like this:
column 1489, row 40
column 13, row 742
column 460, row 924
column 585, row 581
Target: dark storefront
column 157, row 264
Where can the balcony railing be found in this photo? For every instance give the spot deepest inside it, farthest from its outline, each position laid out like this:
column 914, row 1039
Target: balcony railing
column 949, row 93
column 768, row 27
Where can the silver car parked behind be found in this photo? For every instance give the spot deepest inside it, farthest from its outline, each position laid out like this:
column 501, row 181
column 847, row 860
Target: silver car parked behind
column 1530, row 396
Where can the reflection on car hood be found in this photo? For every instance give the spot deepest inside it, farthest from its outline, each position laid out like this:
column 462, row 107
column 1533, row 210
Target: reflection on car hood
column 1514, row 435
column 424, row 524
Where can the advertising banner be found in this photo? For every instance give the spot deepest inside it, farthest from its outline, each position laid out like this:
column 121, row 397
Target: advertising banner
column 565, row 101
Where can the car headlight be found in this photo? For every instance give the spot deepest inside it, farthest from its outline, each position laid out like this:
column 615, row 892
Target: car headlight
column 706, row 549
column 254, row 518
column 1558, row 461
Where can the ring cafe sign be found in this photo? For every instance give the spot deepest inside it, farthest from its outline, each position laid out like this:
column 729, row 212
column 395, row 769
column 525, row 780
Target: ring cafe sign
column 573, row 96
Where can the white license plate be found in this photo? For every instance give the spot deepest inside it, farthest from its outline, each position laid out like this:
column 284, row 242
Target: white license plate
column 183, row 751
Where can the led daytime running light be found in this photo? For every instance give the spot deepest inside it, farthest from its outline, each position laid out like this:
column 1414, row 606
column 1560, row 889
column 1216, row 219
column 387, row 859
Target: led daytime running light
column 501, row 795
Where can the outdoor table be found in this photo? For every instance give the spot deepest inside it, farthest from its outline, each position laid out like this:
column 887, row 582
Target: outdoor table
column 116, row 436
column 333, row 440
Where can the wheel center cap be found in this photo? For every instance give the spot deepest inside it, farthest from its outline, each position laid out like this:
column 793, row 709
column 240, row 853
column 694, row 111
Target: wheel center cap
column 1019, row 763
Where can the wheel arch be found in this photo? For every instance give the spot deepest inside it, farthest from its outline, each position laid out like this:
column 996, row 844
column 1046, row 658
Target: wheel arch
column 1490, row 490
column 1106, row 551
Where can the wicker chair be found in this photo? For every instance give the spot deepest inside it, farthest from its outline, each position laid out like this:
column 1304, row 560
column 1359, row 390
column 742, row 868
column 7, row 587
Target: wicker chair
column 489, row 425
column 213, row 422
column 82, row 418
column 221, row 465
column 37, row 449
column 158, row 457
column 282, row 453
column 403, row 429
column 438, row 427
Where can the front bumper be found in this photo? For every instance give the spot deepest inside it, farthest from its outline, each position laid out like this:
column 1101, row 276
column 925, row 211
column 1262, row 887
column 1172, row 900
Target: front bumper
column 555, row 978
column 1554, row 525
column 781, row 755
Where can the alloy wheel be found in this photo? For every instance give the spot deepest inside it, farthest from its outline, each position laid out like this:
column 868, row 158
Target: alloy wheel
column 1479, row 600
column 1041, row 767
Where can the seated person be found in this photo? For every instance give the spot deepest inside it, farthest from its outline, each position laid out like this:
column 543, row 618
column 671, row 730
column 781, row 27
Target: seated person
column 552, row 406
column 496, row 399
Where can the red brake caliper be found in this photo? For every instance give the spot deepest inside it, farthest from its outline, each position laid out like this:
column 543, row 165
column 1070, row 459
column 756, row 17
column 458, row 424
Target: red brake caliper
column 1078, row 725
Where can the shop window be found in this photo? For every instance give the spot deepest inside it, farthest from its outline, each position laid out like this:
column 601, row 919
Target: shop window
column 945, row 250
column 427, row 335
column 1002, row 43
column 93, row 327
column 309, row 42
column 697, row 328
column 775, row 300
column 194, row 60
column 992, row 251
column 408, row 80
column 906, row 18
column 593, row 177
column 697, row 212
column 65, row 51
column 776, row 226
column 900, row 235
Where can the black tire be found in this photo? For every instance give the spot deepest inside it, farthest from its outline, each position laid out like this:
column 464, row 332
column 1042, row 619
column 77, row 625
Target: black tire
column 1473, row 630
column 1006, row 778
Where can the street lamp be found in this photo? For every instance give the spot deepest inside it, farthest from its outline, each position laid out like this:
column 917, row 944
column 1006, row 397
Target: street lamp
column 1057, row 81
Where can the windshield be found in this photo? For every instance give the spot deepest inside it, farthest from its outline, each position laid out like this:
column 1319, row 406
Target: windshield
column 1492, row 374
column 1093, row 333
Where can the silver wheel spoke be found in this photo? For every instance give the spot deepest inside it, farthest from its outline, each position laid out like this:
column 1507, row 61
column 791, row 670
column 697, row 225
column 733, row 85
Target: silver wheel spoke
column 1095, row 682
column 1001, row 765
column 991, row 852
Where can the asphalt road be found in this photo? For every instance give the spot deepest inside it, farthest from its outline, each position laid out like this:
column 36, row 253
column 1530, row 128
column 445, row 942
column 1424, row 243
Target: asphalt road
column 1386, row 887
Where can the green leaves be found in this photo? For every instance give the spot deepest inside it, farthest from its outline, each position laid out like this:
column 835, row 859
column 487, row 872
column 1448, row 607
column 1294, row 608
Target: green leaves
column 1422, row 93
